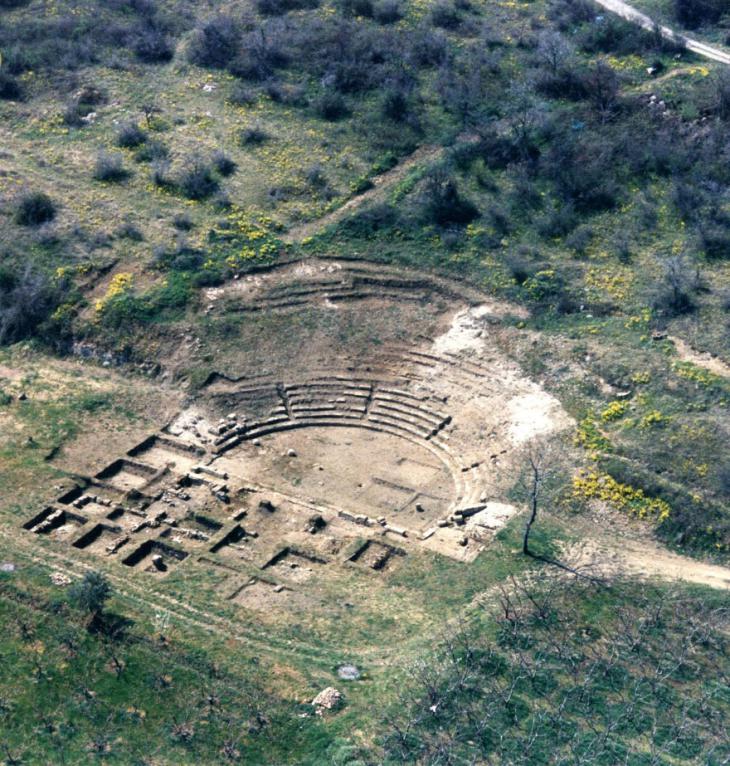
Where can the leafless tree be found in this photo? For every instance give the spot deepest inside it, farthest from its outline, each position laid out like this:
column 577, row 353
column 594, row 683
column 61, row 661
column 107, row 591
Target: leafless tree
column 553, row 50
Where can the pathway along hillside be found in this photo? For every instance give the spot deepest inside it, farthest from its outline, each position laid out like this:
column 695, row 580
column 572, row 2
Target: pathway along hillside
column 630, row 13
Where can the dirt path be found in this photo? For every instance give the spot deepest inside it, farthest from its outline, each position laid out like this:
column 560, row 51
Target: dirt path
column 630, row 13
column 643, row 558
column 382, row 183
column 712, row 364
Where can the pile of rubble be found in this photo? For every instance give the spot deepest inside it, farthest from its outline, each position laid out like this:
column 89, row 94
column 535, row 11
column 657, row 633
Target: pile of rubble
column 327, row 699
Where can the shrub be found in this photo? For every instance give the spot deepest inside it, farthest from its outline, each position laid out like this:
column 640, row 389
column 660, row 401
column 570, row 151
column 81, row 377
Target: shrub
column 443, row 205
column 216, row 42
column 570, row 13
column 258, row 59
column 331, row 106
column 715, row 242
column 130, row 135
column 315, row 177
column 26, row 300
column 34, row 209
column 673, row 295
column 579, row 239
column 395, row 105
column 565, row 83
column 519, row 268
column 110, row 168
column 150, row 151
column 197, row 180
column 161, row 173
column 428, row 47
column 242, row 95
column 445, row 15
column 10, row 89
column 89, row 95
column 182, row 222
column 152, row 45
column 558, row 222
column 388, row 11
column 357, row 8
column 129, row 231
column 370, row 220
column 695, row 13
column 253, row 135
column 280, row 7
column 223, row 163
column 91, row 593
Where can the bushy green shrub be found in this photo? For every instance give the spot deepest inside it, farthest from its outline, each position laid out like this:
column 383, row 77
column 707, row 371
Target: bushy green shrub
column 695, row 13
column 110, row 168
column 27, row 298
column 388, row 11
column 253, row 135
column 442, row 202
column 197, row 180
column 331, row 106
column 152, row 44
column 152, row 150
column 280, row 7
column 10, row 88
column 215, row 42
column 224, row 163
column 34, row 209
column 444, row 14
column 130, row 136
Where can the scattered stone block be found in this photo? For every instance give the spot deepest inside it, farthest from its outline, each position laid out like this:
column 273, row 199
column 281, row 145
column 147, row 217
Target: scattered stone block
column 327, row 699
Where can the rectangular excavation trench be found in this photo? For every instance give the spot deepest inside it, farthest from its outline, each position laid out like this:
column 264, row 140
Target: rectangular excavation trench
column 142, row 557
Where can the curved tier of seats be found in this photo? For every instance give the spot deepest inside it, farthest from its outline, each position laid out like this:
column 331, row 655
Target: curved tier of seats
column 349, row 284
column 350, row 401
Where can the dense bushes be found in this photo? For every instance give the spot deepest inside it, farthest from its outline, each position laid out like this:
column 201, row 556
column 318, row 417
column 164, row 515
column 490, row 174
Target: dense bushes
column 331, row 106
column 568, row 672
column 442, row 202
column 110, row 167
column 10, row 88
column 215, row 42
column 253, row 135
column 71, row 40
column 694, row 13
column 34, row 209
column 26, row 300
column 445, row 15
column 130, row 135
column 197, row 180
column 152, row 44
column 223, row 163
column 279, row 7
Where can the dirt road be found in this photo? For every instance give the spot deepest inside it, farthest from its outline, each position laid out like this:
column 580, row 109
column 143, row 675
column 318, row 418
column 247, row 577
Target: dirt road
column 630, row 13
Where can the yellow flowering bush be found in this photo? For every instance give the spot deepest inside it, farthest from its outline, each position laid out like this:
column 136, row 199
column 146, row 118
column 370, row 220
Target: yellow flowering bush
column 119, row 285
column 652, row 418
column 641, row 378
column 601, row 281
column 614, row 411
column 589, row 436
column 639, row 320
column 696, row 374
column 592, row 485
